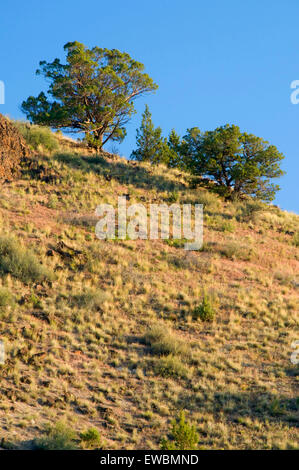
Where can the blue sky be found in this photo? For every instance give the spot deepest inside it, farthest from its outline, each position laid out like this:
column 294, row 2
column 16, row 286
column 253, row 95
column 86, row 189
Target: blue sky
column 215, row 62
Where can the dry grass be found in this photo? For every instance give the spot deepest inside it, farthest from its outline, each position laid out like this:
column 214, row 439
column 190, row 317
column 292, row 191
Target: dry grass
column 85, row 347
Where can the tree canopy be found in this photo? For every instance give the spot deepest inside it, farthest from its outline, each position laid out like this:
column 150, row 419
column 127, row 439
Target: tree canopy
column 151, row 146
column 93, row 93
column 239, row 163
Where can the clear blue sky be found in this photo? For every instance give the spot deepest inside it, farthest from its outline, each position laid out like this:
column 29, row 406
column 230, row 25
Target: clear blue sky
column 215, row 62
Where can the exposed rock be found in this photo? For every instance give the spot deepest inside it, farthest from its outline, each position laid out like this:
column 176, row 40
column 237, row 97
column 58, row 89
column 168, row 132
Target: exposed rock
column 13, row 149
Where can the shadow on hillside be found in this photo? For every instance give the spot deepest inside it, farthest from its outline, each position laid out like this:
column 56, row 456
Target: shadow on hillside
column 124, row 173
column 262, row 406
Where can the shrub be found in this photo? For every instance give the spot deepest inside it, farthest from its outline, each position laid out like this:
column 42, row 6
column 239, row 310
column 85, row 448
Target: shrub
column 296, row 239
column 171, row 366
column 205, row 310
column 183, row 435
column 6, row 297
column 247, row 211
column 58, row 437
column 227, row 226
column 91, row 299
column 164, row 342
column 210, row 200
column 37, row 137
column 91, row 438
column 173, row 196
column 235, row 250
column 20, row 262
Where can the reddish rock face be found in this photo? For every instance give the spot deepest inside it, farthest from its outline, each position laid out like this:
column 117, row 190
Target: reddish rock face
column 13, row 149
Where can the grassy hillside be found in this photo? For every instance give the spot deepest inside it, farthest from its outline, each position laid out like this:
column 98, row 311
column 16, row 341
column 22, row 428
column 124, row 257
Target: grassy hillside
column 108, row 334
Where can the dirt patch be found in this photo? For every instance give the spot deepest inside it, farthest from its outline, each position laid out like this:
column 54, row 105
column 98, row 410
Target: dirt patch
column 13, row 149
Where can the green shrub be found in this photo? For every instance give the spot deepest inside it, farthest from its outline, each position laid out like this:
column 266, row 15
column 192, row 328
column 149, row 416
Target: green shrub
column 235, row 250
column 37, row 137
column 91, row 299
column 6, row 297
column 173, row 196
column 164, row 342
column 91, row 438
column 204, row 311
column 210, row 200
column 171, row 366
column 20, row 262
column 247, row 211
column 58, row 437
column 183, row 435
column 296, row 239
column 227, row 226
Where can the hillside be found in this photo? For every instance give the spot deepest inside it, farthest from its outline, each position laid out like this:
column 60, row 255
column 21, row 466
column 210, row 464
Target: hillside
column 103, row 334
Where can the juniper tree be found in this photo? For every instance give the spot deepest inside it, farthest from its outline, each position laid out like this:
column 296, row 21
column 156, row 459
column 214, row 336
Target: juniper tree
column 151, row 146
column 240, row 163
column 93, row 92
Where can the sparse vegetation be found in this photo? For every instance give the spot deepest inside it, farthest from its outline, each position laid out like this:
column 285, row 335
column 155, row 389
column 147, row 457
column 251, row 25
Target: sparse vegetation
column 20, row 262
column 37, row 137
column 58, row 437
column 183, row 435
column 91, row 438
column 205, row 311
column 112, row 343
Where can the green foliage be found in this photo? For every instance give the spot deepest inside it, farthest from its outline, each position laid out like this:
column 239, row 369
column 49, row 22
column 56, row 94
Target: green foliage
column 204, row 311
column 151, row 146
column 247, row 211
column 164, row 342
column 239, row 163
column 90, row 299
column 296, row 239
column 58, row 437
column 183, row 435
column 20, row 262
column 93, row 92
column 235, row 250
column 91, row 438
column 171, row 367
column 6, row 297
column 37, row 137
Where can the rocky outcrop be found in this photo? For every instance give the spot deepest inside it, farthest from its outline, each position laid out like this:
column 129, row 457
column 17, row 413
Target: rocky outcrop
column 13, row 149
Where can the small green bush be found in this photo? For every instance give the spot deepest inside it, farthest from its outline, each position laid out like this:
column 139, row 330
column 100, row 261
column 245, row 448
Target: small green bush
column 58, row 437
column 6, row 297
column 247, row 211
column 296, row 239
column 171, row 367
column 235, row 250
column 173, row 196
column 91, row 299
column 91, row 438
column 37, row 137
column 183, row 435
column 20, row 262
column 164, row 342
column 227, row 226
column 204, row 311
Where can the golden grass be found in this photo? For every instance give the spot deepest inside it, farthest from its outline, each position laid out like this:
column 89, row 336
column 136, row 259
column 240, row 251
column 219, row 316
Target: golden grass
column 86, row 347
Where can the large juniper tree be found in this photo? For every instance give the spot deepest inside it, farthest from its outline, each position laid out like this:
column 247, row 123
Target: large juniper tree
column 240, row 163
column 93, row 93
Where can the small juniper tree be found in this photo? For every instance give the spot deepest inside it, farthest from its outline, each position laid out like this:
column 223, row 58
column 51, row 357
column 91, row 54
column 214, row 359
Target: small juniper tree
column 151, row 146
column 183, row 435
